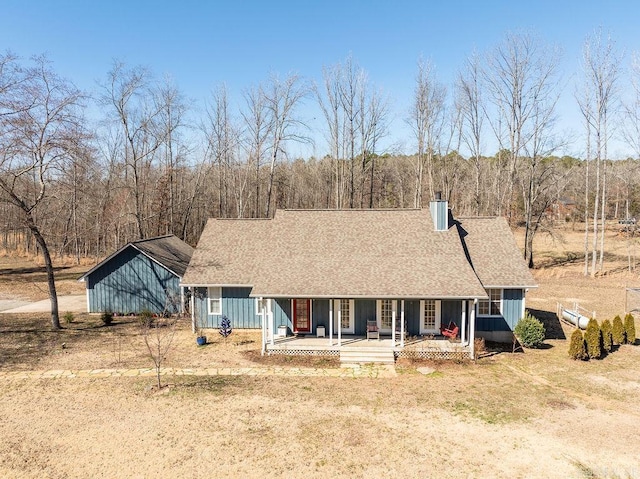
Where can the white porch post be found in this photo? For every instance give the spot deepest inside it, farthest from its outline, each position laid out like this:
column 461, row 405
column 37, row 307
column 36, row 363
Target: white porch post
column 181, row 300
column 193, row 309
column 263, row 327
column 273, row 326
column 330, row 322
column 472, row 329
column 88, row 299
column 393, row 323
column 402, row 331
column 339, row 325
column 463, row 334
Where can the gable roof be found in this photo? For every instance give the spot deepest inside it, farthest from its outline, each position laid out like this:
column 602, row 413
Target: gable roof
column 337, row 253
column 169, row 251
column 493, row 253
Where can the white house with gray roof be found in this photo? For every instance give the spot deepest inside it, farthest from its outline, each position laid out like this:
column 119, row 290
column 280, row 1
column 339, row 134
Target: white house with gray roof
column 335, row 273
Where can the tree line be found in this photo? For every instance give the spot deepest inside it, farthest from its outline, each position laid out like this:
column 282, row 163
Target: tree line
column 153, row 163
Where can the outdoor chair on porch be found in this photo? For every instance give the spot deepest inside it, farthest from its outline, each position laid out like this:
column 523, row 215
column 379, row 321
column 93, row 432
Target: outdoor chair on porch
column 450, row 331
column 372, row 330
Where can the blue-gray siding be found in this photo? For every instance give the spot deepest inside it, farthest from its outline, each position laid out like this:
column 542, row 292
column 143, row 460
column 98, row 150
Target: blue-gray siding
column 240, row 309
column 512, row 300
column 130, row 283
column 236, row 305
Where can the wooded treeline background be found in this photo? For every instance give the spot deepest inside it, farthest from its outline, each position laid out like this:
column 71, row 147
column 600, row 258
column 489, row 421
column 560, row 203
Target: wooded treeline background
column 82, row 173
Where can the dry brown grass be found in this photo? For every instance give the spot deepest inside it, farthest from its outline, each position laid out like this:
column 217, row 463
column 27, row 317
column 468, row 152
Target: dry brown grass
column 531, row 414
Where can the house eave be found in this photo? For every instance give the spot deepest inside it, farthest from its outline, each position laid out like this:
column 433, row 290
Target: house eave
column 363, row 296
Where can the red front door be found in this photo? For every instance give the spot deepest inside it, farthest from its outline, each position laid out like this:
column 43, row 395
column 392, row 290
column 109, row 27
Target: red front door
column 301, row 315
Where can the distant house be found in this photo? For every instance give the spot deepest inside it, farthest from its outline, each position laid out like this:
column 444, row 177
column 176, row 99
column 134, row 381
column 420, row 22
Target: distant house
column 562, row 209
column 335, row 274
column 142, row 275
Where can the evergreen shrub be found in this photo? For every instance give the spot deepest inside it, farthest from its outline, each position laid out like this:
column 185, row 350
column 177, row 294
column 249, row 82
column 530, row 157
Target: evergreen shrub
column 107, row 317
column 629, row 329
column 617, row 331
column 577, row 348
column 593, row 338
column 607, row 337
column 530, row 331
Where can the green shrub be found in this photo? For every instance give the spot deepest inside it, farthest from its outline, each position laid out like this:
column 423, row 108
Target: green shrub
column 629, row 329
column 577, row 349
column 107, row 317
column 617, row 331
column 593, row 338
column 68, row 317
column 607, row 337
column 530, row 331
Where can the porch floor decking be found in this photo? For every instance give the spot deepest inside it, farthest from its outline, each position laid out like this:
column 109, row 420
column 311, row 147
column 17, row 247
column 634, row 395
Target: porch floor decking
column 312, row 343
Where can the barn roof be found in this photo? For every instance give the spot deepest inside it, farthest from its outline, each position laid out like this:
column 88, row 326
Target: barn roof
column 353, row 253
column 169, row 251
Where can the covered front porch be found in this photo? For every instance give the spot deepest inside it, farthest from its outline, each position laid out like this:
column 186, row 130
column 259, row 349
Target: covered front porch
column 404, row 327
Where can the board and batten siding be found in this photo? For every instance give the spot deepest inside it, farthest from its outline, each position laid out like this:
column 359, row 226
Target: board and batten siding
column 512, row 301
column 130, row 283
column 236, row 305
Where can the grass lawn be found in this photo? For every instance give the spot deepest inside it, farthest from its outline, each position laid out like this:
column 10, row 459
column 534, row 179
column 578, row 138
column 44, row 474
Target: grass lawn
column 527, row 414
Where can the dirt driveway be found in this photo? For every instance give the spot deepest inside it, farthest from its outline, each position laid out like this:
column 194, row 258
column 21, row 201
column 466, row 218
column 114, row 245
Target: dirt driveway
column 76, row 303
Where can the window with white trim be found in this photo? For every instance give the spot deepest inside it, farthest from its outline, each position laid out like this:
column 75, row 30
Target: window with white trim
column 214, row 294
column 491, row 306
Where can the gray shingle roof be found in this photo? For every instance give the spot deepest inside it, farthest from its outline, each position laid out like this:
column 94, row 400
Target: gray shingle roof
column 170, row 251
column 348, row 253
column 229, row 252
column 494, row 254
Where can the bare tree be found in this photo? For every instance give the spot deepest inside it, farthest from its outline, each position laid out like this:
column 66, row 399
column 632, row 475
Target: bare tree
column 600, row 64
column 222, row 141
column 158, row 334
column 282, row 97
column 329, row 101
column 41, row 129
column 171, row 121
column 138, row 113
column 257, row 124
column 518, row 71
column 426, row 120
column 470, row 103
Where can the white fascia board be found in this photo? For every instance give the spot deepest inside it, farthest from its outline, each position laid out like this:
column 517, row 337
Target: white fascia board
column 220, row 285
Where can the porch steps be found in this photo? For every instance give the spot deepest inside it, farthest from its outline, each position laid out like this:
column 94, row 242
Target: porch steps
column 366, row 355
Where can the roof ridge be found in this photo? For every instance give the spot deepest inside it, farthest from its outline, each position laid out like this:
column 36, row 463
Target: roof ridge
column 358, row 210
column 152, row 239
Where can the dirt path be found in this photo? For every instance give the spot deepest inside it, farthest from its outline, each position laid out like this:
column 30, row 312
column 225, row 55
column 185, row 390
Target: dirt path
column 74, row 303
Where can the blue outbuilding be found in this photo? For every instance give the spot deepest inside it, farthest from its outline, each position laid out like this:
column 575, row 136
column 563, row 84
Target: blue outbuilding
column 142, row 275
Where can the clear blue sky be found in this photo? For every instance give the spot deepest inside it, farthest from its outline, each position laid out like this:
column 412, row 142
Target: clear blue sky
column 204, row 43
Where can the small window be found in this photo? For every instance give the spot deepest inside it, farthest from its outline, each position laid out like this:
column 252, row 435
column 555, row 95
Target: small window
column 215, row 299
column 491, row 306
